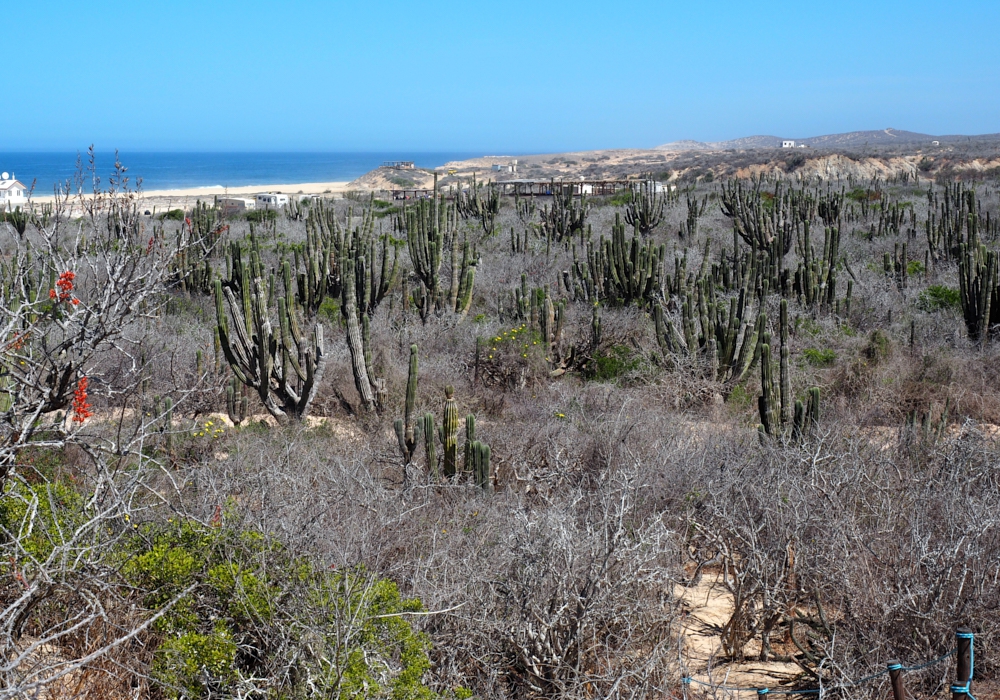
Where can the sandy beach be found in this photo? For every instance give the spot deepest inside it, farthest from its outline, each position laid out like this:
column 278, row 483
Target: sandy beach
column 185, row 198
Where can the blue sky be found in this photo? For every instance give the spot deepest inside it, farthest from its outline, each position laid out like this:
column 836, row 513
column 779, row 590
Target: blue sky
column 492, row 77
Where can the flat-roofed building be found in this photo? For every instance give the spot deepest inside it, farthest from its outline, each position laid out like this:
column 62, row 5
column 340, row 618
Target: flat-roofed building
column 235, row 205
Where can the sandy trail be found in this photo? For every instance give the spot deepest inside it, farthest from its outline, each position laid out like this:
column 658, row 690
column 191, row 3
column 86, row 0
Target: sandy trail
column 708, row 607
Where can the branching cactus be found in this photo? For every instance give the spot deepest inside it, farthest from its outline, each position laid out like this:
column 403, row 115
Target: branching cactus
column 449, row 433
column 644, row 209
column 424, row 225
column 284, row 368
column 728, row 335
column 237, row 403
column 330, row 256
column 525, row 208
column 566, row 217
column 619, row 270
column 370, row 388
column 481, row 203
column 979, row 290
column 410, row 428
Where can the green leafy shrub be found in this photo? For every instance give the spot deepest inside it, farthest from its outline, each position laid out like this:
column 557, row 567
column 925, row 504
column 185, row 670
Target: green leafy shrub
column 329, row 311
column 259, row 216
column 611, row 365
column 247, row 608
column 173, row 215
column 819, row 357
column 879, row 346
column 44, row 515
column 914, row 267
column 938, row 296
column 860, row 194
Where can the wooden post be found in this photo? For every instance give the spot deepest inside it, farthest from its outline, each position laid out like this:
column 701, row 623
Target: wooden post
column 896, row 677
column 963, row 664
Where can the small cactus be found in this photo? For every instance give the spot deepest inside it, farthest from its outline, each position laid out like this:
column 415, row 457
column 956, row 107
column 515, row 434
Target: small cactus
column 409, row 428
column 432, row 465
column 481, row 465
column 470, row 437
column 449, row 433
column 237, row 403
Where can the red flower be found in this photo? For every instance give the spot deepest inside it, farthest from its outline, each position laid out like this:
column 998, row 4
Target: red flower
column 65, row 285
column 81, row 409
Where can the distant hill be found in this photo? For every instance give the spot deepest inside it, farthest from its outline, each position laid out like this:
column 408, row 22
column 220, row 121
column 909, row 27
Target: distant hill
column 852, row 139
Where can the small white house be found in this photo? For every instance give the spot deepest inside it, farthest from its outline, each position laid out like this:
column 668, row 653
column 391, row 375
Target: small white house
column 269, row 200
column 935, row 143
column 510, row 167
column 235, row 205
column 788, row 144
column 12, row 193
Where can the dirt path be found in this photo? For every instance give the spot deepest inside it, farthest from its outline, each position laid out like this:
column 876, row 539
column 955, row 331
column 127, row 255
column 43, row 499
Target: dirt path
column 708, row 606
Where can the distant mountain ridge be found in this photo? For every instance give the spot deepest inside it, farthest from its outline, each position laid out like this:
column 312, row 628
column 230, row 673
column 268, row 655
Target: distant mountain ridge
column 851, row 139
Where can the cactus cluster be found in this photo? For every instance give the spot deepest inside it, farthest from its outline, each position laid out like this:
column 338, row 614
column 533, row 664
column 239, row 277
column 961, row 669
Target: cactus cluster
column 481, row 202
column 816, row 277
column 725, row 335
column 777, row 413
column 430, row 226
column 644, row 210
column 412, row 428
column 565, row 217
column 979, row 290
column 332, row 254
column 618, row 271
column 283, row 367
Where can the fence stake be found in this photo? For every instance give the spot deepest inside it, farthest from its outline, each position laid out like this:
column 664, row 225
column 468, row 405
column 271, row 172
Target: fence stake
column 963, row 664
column 896, row 676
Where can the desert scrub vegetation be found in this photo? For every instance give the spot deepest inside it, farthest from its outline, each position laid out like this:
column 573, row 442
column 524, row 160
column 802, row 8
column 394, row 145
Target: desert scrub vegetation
column 477, row 447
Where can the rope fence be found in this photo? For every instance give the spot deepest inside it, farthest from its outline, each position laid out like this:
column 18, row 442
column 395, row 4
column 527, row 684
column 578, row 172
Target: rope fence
column 960, row 690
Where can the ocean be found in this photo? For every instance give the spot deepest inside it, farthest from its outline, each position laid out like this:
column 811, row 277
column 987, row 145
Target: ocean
column 166, row 171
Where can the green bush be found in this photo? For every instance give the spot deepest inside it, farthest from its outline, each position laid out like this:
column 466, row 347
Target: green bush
column 859, row 194
column 173, row 215
column 248, row 608
column 620, row 199
column 879, row 346
column 914, row 267
column 610, row 366
column 819, row 357
column 259, row 216
column 45, row 513
column 938, row 296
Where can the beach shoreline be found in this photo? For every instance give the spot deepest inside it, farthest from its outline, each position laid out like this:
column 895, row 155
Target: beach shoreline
column 184, row 197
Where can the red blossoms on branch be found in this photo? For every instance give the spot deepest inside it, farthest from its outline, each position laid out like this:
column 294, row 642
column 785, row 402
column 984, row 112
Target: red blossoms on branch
column 65, row 285
column 81, row 409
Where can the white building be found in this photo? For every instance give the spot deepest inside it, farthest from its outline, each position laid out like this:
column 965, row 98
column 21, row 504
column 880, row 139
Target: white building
column 510, row 167
column 268, row 200
column 235, row 205
column 12, row 193
column 788, row 144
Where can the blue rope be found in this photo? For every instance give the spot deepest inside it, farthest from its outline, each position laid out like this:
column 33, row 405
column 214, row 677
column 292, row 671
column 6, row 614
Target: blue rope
column 761, row 692
column 967, row 688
